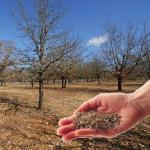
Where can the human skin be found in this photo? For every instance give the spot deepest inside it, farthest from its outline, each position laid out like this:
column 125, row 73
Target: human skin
column 132, row 107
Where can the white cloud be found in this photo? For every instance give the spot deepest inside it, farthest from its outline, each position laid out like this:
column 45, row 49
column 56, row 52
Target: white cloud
column 98, row 41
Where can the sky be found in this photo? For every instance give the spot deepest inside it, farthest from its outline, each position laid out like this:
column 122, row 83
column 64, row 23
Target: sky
column 85, row 18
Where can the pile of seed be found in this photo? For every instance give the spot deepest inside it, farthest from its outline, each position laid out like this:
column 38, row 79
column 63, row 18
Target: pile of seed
column 96, row 120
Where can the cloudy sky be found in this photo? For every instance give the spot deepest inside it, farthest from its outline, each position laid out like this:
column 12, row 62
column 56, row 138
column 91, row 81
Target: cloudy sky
column 86, row 18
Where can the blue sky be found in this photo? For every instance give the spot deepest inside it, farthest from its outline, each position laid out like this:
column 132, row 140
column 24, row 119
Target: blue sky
column 86, row 18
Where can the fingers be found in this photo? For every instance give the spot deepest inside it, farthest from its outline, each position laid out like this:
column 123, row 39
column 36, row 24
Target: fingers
column 90, row 104
column 63, row 130
column 87, row 133
column 80, row 133
column 66, row 121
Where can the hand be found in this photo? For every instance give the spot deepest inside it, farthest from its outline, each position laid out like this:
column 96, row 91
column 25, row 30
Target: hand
column 119, row 103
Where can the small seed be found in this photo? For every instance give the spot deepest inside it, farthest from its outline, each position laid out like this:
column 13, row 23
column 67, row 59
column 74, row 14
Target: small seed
column 96, row 120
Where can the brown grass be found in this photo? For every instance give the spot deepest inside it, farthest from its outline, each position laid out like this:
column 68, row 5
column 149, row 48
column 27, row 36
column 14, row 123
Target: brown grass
column 28, row 128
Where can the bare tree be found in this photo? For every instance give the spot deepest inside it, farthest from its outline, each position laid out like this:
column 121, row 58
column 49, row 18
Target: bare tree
column 64, row 67
column 124, row 50
column 97, row 68
column 86, row 71
column 31, row 75
column 6, row 49
column 146, row 58
column 146, row 62
column 41, row 29
column 77, row 72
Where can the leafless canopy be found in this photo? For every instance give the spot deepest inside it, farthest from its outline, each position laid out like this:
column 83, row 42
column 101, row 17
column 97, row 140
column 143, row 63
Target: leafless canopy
column 41, row 32
column 6, row 49
column 44, row 37
column 124, row 49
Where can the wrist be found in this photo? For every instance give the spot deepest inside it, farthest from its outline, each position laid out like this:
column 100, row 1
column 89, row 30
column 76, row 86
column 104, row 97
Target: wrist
column 140, row 99
column 135, row 102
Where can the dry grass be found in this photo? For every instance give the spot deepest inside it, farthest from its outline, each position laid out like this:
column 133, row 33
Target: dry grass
column 28, row 128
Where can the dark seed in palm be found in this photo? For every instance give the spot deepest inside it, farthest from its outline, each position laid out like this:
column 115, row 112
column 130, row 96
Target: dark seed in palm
column 96, row 120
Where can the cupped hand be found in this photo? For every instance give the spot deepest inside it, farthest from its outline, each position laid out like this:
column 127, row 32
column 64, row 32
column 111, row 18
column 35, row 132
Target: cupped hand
column 119, row 103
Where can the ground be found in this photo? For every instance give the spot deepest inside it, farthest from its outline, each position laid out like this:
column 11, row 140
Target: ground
column 27, row 128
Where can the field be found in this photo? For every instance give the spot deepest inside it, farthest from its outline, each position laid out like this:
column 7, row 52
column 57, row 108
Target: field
column 24, row 127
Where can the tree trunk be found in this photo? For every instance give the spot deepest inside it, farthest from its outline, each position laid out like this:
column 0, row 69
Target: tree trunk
column 99, row 81
column 40, row 104
column 148, row 73
column 119, row 83
column 54, row 81
column 62, row 81
column 32, row 83
column 69, row 80
column 65, row 83
column 87, row 80
column 1, row 83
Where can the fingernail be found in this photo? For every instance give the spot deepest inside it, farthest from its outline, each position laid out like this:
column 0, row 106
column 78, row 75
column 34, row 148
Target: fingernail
column 64, row 139
column 58, row 133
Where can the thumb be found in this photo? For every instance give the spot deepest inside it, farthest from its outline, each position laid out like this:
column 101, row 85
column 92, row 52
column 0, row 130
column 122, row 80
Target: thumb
column 102, row 109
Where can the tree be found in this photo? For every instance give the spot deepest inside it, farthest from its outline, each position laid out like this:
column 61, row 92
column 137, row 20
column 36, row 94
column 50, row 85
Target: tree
column 64, row 67
column 123, row 50
column 40, row 28
column 86, row 71
column 6, row 50
column 97, row 68
column 146, row 58
column 146, row 63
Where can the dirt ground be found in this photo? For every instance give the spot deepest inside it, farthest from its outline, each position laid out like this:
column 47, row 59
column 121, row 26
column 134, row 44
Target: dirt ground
column 26, row 128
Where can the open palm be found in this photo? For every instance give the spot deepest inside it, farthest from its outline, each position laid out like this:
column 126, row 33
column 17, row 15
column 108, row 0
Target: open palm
column 107, row 103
